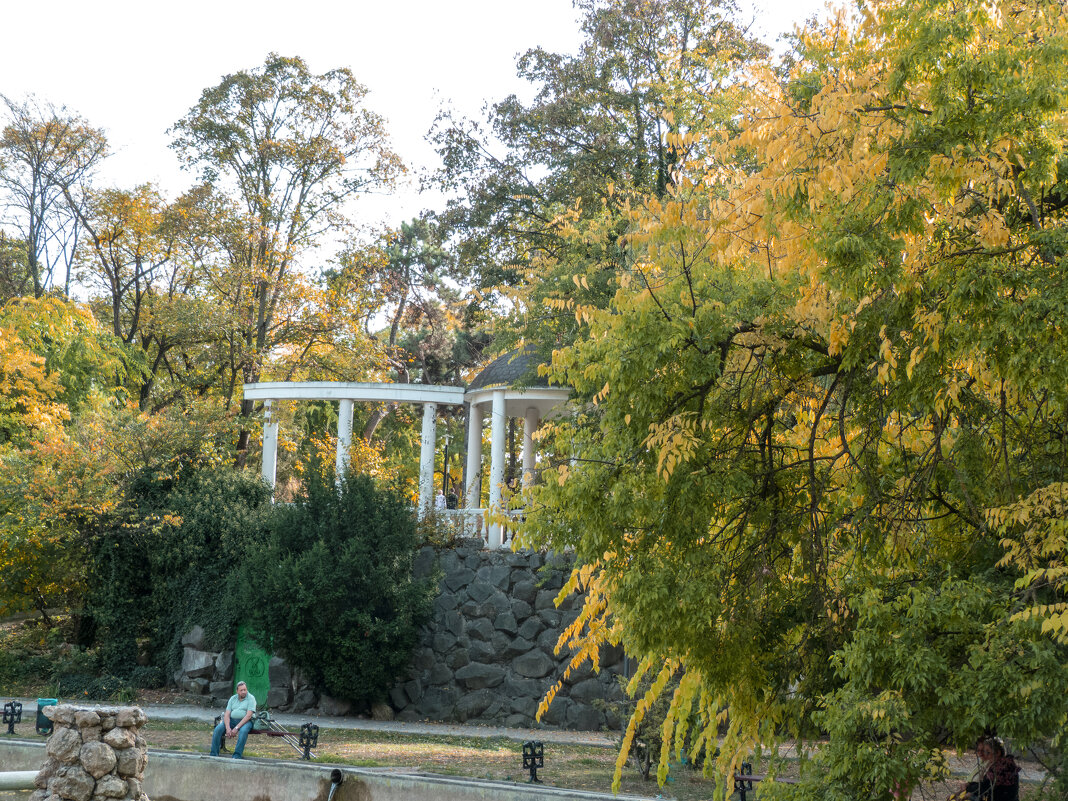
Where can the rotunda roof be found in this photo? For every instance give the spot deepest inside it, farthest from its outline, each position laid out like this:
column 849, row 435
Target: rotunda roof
column 517, row 367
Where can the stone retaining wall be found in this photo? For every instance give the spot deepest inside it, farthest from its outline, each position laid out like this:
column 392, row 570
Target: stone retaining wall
column 487, row 655
column 94, row 753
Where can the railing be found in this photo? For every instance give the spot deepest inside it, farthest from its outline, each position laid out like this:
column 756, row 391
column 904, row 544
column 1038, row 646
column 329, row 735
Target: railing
column 471, row 524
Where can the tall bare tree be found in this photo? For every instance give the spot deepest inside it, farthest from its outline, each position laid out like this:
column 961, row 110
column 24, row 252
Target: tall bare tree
column 47, row 154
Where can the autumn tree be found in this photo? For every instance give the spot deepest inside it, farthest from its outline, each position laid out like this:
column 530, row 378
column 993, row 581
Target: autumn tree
column 818, row 441
column 47, row 154
column 291, row 147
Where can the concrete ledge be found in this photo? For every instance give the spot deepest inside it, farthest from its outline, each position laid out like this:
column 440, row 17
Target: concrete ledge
column 172, row 776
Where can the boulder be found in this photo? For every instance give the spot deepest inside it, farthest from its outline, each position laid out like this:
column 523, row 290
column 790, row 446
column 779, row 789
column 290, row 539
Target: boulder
column 119, row 738
column 480, row 629
column 278, row 672
column 131, row 717
column 474, row 704
column 398, row 697
column 477, row 676
column 304, row 700
column 443, row 642
column 545, row 599
column 97, row 759
column 521, row 609
column 110, row 787
column 334, row 707
column 439, row 674
column 525, row 591
column 438, row 702
column 278, row 696
column 533, row 665
column 517, row 647
column 198, row 664
column 224, row 666
column 86, row 718
column 587, row 690
column 505, row 622
column 582, row 717
column 531, row 628
column 380, row 710
column 462, row 577
column 221, row 690
column 195, row 638
column 75, row 785
column 480, row 651
column 479, row 591
column 64, row 745
column 458, row 658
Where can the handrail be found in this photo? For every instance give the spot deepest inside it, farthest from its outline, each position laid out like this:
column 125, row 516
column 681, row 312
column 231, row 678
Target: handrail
column 17, row 779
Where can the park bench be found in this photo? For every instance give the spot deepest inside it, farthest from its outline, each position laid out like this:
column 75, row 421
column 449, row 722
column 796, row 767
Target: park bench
column 263, row 723
column 745, row 779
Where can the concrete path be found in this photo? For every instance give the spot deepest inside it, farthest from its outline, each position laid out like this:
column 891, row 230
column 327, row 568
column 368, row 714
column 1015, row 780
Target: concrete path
column 176, row 712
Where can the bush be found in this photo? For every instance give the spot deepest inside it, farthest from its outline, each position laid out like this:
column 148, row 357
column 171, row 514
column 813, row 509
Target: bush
column 147, row 677
column 333, row 588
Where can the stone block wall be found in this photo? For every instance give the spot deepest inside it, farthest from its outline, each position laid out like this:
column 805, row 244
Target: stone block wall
column 94, row 753
column 487, row 655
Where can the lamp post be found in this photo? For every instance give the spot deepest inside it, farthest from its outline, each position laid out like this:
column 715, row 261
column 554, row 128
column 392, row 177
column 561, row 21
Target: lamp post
column 12, row 715
column 533, row 758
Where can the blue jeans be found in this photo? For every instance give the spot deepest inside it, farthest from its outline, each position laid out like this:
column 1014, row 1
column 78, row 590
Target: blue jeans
column 220, row 732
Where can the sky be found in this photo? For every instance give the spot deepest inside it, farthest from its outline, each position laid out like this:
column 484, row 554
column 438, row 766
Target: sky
column 135, row 68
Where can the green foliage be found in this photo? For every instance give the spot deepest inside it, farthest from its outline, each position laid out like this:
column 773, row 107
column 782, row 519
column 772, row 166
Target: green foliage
column 333, row 588
column 169, row 559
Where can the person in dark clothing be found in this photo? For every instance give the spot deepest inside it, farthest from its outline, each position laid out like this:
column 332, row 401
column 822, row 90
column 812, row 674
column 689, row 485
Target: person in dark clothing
column 998, row 777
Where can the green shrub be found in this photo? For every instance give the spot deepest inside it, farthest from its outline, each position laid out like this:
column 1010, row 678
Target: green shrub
column 147, row 677
column 333, row 588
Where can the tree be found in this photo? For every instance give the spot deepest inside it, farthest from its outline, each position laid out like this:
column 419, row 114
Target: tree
column 46, row 156
column 333, row 589
column 819, row 430
column 292, row 147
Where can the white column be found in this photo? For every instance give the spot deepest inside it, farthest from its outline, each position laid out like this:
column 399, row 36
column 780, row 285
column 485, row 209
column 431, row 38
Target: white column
column 474, row 456
column 426, row 458
column 344, row 437
column 530, row 425
column 269, row 465
column 497, row 437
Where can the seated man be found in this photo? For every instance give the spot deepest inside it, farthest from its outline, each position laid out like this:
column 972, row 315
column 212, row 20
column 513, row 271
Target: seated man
column 239, row 708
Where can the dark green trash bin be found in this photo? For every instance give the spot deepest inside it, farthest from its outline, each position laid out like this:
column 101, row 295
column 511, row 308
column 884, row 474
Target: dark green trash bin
column 43, row 725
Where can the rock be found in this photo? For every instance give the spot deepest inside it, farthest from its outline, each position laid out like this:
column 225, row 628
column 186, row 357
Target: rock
column 445, row 602
column 517, row 647
column 40, row 781
column 75, row 785
column 221, row 690
column 498, row 603
column 453, row 623
column 196, row 686
column 480, row 629
column 64, row 745
column 278, row 672
column 443, row 642
column 86, row 718
column 474, row 704
column 494, row 575
column 278, row 696
column 304, row 700
column 439, row 674
column 533, row 665
column 505, row 622
column 424, row 659
column 61, row 715
column 523, row 688
column 582, row 717
column 398, row 697
column 198, row 664
column 477, row 676
column 528, row 707
column 97, row 759
column 380, row 710
column 550, row 617
column 521, row 609
column 135, row 787
column 130, row 761
column 224, row 666
column 195, row 638
column 423, row 564
column 525, row 591
column 414, row 689
column 531, row 628
column 131, row 717
column 479, row 591
column 334, row 707
column 547, row 640
column 119, row 738
column 438, row 702
column 587, row 690
column 556, row 714
column 518, row 721
column 546, row 599
column 480, row 651
column 90, row 733
column 458, row 658
column 110, row 787
column 460, row 578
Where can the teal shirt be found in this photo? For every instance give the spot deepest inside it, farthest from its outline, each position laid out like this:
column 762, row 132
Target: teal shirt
column 238, row 708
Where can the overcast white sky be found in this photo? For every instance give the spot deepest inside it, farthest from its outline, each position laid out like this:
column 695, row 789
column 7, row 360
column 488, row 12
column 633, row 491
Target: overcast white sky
column 134, row 68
